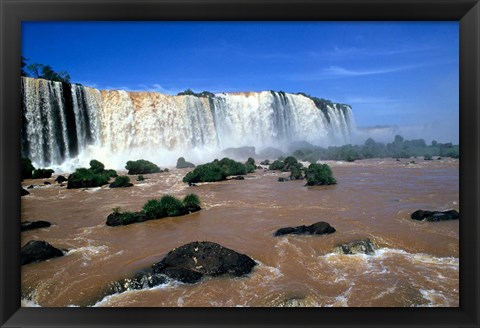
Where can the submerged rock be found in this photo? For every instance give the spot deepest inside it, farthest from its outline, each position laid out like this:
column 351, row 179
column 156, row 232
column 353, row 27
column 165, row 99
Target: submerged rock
column 24, row 192
column 38, row 250
column 363, row 246
column 282, row 179
column 27, row 225
column 434, row 216
column 319, row 228
column 238, row 177
column 190, row 262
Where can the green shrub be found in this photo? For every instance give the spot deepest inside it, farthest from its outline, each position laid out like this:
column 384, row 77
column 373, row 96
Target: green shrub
column 140, row 178
column 191, row 202
column 154, row 209
column 96, row 166
column 109, row 174
column 141, row 166
column 250, row 165
column 209, row 172
column 296, row 171
column 168, row 205
column 182, row 164
column 172, row 206
column 27, row 168
column 319, row 174
column 276, row 165
column 85, row 178
column 265, row 162
column 42, row 173
column 427, row 157
column 121, row 181
column 232, row 167
column 289, row 162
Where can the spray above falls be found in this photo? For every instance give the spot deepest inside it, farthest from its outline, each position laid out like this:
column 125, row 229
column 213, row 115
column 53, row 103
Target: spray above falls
column 62, row 122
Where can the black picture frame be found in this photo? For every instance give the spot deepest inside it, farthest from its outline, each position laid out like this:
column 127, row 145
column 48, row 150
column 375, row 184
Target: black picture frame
column 13, row 12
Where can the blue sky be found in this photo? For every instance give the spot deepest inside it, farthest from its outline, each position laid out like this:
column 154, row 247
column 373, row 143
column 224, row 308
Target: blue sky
column 402, row 74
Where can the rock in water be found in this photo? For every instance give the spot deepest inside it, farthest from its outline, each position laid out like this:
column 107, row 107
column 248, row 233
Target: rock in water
column 27, row 225
column 61, row 179
column 24, row 192
column 319, row 228
column 190, row 262
column 434, row 216
column 363, row 246
column 38, row 250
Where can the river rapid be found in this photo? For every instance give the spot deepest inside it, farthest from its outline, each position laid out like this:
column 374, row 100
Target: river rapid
column 417, row 263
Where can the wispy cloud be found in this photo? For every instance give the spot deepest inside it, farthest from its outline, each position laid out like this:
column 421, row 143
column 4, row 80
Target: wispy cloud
column 332, row 72
column 356, row 52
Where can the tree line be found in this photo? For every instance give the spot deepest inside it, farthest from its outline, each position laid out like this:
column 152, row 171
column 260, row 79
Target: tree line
column 42, row 71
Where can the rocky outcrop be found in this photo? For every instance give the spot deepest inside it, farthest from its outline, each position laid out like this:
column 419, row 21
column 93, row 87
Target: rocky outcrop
column 61, row 179
column 434, row 216
column 189, row 264
column 281, row 179
column 37, row 250
column 238, row 177
column 363, row 246
column 319, row 228
column 27, row 225
column 24, row 192
column 124, row 218
column 183, row 164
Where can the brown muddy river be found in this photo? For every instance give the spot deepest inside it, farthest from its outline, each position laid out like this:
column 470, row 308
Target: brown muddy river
column 417, row 263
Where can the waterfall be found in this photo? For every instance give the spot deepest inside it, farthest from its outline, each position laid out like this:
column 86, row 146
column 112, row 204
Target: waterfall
column 61, row 122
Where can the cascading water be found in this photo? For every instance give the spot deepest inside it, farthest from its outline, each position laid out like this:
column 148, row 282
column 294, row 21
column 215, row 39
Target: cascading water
column 63, row 122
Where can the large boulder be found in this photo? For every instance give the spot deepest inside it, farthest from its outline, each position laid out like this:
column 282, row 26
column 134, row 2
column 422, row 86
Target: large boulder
column 362, row 246
column 190, row 262
column 124, row 218
column 182, row 163
column 434, row 216
column 61, row 179
column 27, row 225
column 24, row 192
column 38, row 250
column 319, row 228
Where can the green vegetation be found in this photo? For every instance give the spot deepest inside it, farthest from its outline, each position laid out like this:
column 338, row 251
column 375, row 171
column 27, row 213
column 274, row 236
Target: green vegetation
column 169, row 205
column 427, row 157
column 121, row 181
column 319, row 174
column 216, row 171
column 27, row 168
column 140, row 178
column 95, row 176
column 42, row 71
column 141, row 166
column 191, row 202
column 265, row 162
column 209, row 172
column 399, row 148
column 250, row 165
column 189, row 92
column 276, row 165
column 182, row 163
column 42, row 173
column 85, row 178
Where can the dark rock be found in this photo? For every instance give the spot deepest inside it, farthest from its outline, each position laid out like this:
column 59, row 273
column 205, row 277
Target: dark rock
column 434, row 216
column 191, row 184
column 37, row 250
column 319, row 228
column 62, row 185
column 190, row 262
column 47, row 183
column 27, row 225
column 30, row 187
column 363, row 246
column 183, row 164
column 141, row 280
column 24, row 192
column 118, row 218
column 61, row 179
column 282, row 179
column 114, row 185
column 238, row 177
